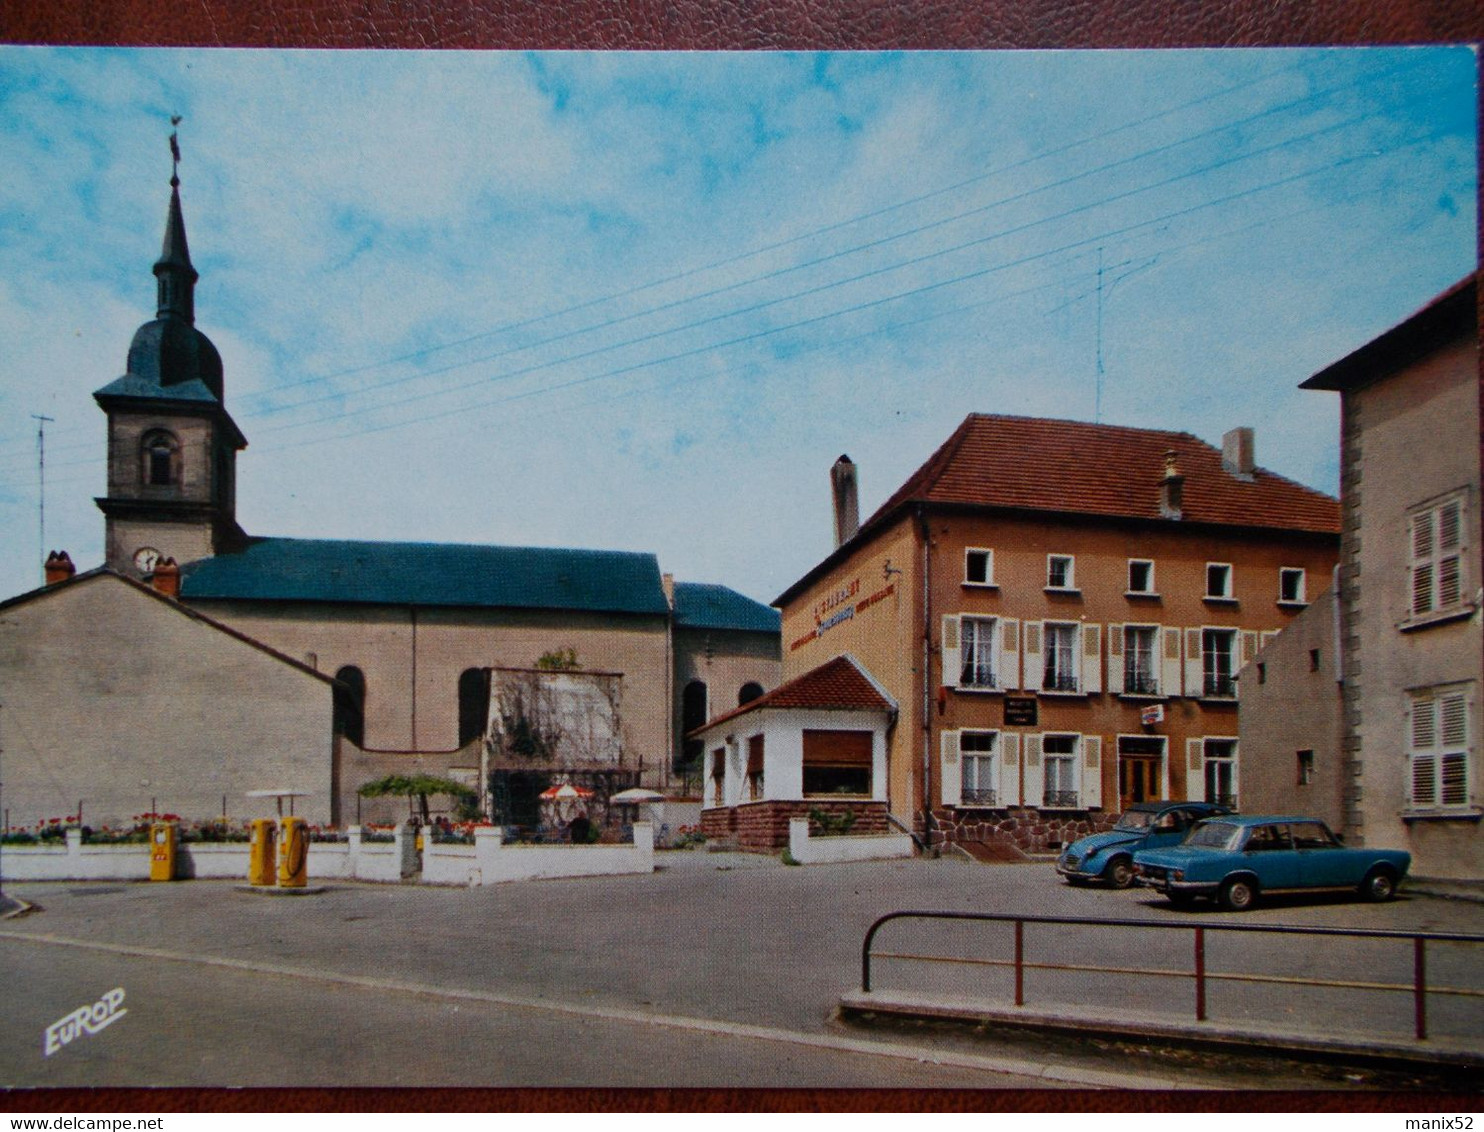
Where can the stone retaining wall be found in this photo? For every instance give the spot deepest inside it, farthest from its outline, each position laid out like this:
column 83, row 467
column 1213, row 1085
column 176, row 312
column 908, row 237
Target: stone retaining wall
column 762, row 827
column 1027, row 830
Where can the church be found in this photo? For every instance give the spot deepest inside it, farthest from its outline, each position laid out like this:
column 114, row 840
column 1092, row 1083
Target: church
column 391, row 657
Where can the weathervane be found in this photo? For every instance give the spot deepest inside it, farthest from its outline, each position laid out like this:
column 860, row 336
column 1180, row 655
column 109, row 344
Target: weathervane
column 174, row 151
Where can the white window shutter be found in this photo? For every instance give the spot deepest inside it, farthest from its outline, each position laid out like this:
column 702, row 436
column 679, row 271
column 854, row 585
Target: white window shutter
column 1009, row 658
column 1115, row 659
column 1009, row 770
column 1031, row 658
column 1035, row 774
column 1246, row 649
column 1092, row 658
column 950, row 769
column 1423, row 589
column 1169, row 661
column 1092, row 771
column 952, row 665
column 1195, row 770
column 1194, row 674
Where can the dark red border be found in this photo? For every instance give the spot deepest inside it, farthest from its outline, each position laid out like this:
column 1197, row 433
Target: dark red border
column 711, row 25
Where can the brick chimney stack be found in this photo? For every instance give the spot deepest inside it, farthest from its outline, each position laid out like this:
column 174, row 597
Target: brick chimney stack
column 1238, row 453
column 1171, row 489
column 59, row 567
column 847, row 504
column 166, row 577
column 667, row 583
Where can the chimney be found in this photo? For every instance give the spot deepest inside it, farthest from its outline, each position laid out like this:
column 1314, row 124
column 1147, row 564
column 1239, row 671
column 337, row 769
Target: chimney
column 166, row 577
column 1238, row 453
column 847, row 505
column 667, row 583
column 1171, row 489
column 58, row 567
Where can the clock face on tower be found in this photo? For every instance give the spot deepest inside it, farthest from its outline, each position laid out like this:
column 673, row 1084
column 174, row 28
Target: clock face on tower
column 145, row 558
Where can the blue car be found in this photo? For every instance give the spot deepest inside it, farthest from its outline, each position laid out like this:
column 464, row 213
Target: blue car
column 1109, row 856
column 1235, row 859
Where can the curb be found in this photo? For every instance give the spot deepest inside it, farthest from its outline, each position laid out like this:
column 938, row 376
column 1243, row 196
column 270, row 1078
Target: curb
column 860, row 1006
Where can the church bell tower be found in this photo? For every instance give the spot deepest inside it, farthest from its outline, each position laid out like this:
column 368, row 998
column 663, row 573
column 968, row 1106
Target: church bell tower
column 172, row 445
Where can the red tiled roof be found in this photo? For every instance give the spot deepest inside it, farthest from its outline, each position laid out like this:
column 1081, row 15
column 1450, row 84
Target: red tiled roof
column 839, row 684
column 1093, row 469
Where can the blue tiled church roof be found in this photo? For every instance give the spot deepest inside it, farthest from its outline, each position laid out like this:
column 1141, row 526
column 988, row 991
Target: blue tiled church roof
column 415, row 573
column 702, row 606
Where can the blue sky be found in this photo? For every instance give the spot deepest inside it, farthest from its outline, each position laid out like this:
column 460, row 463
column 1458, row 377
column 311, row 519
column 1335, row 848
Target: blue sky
column 643, row 301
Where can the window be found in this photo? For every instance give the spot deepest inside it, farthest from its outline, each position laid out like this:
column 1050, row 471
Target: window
column 755, row 768
column 1218, row 581
column 1221, row 772
column 976, row 645
column 1060, row 757
column 1306, row 768
column 749, row 691
column 1439, row 748
column 837, row 762
column 977, row 752
column 1313, row 660
column 1291, row 586
column 1140, row 576
column 1060, row 658
column 1436, row 560
column 161, row 453
column 1218, row 649
column 1140, row 670
column 474, row 703
column 692, row 715
column 349, row 712
column 978, row 567
column 1060, row 572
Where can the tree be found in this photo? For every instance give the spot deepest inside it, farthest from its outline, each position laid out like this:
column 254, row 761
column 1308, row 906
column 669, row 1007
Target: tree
column 419, row 786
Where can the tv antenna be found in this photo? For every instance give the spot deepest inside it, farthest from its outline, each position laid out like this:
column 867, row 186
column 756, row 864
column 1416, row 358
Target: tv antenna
column 41, row 423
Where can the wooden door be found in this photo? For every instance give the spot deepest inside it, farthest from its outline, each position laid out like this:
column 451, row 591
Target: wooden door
column 1138, row 779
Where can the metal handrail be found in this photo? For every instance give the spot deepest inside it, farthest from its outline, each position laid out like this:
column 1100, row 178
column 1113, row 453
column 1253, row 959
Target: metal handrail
column 1418, row 986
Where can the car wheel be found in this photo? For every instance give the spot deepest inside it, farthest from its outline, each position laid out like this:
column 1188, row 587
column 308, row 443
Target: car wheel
column 1238, row 895
column 1120, row 872
column 1379, row 885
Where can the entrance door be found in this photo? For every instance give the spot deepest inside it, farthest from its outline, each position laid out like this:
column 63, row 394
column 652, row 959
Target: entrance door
column 1139, row 763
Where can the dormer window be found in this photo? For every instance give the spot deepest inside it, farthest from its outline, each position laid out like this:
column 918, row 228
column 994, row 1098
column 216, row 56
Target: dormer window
column 161, row 458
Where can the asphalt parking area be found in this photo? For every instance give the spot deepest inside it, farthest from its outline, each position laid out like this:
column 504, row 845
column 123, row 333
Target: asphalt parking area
column 726, row 938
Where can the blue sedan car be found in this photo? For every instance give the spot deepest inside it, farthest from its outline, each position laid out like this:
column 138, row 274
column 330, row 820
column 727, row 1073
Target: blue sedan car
column 1109, row 856
column 1235, row 859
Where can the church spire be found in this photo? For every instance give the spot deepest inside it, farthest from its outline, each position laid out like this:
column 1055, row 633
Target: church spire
column 173, row 271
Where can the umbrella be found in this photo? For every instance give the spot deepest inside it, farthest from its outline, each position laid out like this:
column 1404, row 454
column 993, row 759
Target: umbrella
column 636, row 795
column 565, row 790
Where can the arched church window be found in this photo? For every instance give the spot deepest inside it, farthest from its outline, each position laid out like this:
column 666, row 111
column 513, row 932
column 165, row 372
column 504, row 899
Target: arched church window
column 161, row 452
column 350, row 704
column 474, row 703
column 749, row 691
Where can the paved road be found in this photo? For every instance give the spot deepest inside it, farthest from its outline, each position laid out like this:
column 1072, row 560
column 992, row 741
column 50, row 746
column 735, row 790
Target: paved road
column 719, row 970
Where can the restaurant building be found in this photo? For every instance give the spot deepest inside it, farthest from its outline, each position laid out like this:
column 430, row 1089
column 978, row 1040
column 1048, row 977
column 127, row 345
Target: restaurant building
column 1059, row 611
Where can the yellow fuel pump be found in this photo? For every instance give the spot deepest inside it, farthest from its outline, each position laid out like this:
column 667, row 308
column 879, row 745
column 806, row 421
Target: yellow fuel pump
column 162, row 851
column 293, row 853
column 262, row 863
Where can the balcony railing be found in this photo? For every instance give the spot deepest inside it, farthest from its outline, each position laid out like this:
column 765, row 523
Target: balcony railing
column 975, row 797
column 1061, row 799
column 977, row 677
column 1221, row 685
column 1139, row 685
column 1060, row 682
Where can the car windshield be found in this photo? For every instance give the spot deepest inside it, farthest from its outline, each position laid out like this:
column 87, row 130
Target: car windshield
column 1214, row 835
column 1135, row 819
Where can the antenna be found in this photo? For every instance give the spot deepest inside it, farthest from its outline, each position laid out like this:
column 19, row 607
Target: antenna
column 41, row 423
